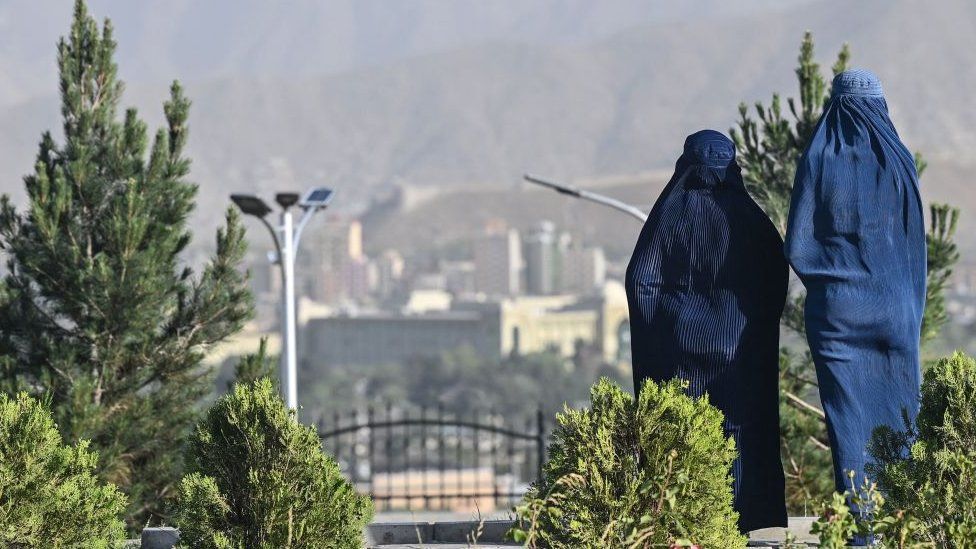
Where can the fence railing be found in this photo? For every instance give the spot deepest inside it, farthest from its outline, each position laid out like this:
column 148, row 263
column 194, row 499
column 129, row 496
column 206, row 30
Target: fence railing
column 429, row 459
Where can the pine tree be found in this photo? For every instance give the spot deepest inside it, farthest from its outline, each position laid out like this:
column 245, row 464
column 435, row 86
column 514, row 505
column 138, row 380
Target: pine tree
column 942, row 255
column 255, row 366
column 97, row 310
column 769, row 148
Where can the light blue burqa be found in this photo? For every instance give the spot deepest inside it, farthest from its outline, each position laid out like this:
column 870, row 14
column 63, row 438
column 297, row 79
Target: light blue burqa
column 856, row 238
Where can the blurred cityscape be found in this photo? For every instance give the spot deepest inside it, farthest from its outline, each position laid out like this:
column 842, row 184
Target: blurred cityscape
column 506, row 292
column 495, row 287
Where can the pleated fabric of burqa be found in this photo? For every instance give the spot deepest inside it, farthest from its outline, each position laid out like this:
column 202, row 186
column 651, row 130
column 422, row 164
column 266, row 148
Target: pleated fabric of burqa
column 856, row 238
column 706, row 286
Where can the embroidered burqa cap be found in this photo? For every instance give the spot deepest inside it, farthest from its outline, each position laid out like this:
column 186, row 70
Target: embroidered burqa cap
column 706, row 286
column 856, row 238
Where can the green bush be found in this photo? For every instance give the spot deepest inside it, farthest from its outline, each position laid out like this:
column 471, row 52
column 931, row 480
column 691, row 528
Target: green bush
column 634, row 474
column 49, row 495
column 874, row 521
column 929, row 468
column 259, row 479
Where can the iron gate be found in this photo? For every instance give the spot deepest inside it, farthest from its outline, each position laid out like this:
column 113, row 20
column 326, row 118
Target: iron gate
column 428, row 459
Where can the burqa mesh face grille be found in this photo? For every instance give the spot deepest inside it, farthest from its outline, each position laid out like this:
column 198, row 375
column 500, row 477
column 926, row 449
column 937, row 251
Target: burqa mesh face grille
column 856, row 238
column 707, row 284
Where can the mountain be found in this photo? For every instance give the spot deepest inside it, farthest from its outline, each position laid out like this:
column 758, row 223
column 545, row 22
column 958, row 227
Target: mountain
column 300, row 38
column 368, row 96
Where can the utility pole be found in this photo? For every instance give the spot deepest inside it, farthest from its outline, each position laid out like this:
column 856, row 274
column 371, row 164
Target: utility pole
column 286, row 238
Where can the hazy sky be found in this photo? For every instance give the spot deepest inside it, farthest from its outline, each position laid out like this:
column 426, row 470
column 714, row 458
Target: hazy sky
column 203, row 39
column 369, row 95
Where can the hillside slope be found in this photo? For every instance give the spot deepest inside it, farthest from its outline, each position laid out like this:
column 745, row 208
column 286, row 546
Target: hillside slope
column 461, row 113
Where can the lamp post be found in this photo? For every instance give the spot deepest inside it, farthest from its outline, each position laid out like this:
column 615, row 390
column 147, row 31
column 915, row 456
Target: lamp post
column 286, row 238
column 628, row 209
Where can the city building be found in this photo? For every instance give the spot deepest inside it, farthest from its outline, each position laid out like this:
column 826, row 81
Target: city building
column 429, row 281
column 498, row 261
column 425, row 301
column 542, row 260
column 356, row 278
column 492, row 328
column 332, row 266
column 394, row 337
column 584, row 269
column 459, row 277
column 389, row 274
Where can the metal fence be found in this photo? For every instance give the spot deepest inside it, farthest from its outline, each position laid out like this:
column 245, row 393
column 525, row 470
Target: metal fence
column 428, row 459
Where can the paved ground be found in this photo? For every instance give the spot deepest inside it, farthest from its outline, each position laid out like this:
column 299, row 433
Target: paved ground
column 454, row 531
column 752, row 545
column 437, row 516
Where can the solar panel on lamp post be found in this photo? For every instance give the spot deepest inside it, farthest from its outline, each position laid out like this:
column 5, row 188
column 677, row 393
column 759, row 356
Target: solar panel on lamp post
column 314, row 200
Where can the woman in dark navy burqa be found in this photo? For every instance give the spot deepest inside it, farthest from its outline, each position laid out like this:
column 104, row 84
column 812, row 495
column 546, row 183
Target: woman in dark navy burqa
column 706, row 285
column 856, row 238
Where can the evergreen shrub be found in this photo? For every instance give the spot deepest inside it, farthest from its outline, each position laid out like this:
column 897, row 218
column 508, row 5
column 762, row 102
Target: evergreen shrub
column 929, row 467
column 49, row 494
column 628, row 473
column 259, row 479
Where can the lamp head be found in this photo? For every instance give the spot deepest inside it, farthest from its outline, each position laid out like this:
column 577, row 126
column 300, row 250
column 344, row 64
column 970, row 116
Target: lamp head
column 316, row 198
column 251, row 205
column 286, row 200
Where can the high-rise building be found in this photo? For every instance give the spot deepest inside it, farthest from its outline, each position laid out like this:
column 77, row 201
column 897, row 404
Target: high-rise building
column 389, row 273
column 542, row 260
column 356, row 279
column 583, row 269
column 333, row 267
column 498, row 261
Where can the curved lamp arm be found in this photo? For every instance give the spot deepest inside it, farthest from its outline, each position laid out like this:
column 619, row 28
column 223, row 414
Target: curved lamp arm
column 306, row 217
column 628, row 209
column 274, row 238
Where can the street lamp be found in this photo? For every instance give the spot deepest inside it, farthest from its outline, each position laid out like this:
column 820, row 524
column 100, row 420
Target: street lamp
column 628, row 209
column 315, row 199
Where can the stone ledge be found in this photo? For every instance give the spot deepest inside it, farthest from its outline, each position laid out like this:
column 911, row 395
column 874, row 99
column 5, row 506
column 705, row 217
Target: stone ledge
column 440, row 546
column 487, row 534
column 449, row 534
column 443, row 534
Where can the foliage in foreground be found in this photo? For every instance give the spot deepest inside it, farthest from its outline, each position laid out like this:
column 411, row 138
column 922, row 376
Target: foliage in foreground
column 628, row 473
column 49, row 494
column 98, row 310
column 838, row 524
column 930, row 466
column 259, row 479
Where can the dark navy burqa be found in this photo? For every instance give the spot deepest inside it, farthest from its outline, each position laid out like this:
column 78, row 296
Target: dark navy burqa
column 706, row 285
column 856, row 238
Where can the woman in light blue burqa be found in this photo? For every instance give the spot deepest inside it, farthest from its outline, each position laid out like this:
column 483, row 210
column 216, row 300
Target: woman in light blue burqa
column 706, row 287
column 856, row 239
